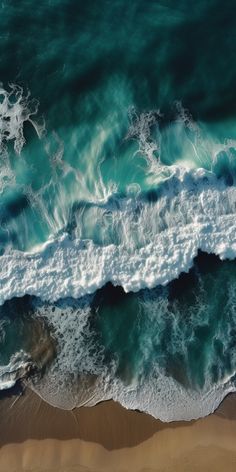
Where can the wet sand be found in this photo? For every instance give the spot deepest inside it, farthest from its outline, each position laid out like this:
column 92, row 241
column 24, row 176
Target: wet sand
column 37, row 437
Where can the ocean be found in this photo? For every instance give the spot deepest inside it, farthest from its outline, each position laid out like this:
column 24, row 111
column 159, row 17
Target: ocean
column 118, row 203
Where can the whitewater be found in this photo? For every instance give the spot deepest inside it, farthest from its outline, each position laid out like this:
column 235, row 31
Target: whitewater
column 169, row 234
column 139, row 237
column 134, row 240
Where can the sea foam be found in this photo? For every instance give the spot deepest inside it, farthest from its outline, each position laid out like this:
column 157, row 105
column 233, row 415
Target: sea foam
column 82, row 374
column 16, row 108
column 158, row 240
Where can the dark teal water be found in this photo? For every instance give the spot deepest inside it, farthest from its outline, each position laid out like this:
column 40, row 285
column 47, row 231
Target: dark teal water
column 118, row 163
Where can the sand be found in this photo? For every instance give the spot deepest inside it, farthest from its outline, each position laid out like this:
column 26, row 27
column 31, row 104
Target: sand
column 36, row 437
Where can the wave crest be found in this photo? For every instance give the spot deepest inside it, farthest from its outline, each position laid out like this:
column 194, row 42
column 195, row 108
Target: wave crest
column 155, row 241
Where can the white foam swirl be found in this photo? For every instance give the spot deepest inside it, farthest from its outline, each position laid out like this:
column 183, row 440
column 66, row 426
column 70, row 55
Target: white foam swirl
column 15, row 109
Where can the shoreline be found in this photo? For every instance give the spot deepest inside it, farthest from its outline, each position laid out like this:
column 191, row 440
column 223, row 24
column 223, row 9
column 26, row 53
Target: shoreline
column 37, row 437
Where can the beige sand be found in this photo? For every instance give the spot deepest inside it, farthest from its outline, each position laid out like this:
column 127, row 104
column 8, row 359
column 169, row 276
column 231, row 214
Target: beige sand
column 37, row 437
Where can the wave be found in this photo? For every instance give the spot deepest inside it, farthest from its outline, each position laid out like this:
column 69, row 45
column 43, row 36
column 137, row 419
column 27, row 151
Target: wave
column 169, row 351
column 142, row 349
column 145, row 243
column 138, row 236
column 100, row 197
column 20, row 366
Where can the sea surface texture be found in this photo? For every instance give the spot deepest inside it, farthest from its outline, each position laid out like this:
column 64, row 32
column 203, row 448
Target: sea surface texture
column 118, row 202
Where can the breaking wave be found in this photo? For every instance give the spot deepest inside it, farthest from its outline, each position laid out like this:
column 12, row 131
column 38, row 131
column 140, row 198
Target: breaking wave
column 167, row 351
column 140, row 243
column 68, row 228
column 140, row 238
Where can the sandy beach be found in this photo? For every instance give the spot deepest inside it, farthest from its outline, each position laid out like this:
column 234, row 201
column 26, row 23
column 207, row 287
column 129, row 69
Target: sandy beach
column 37, row 437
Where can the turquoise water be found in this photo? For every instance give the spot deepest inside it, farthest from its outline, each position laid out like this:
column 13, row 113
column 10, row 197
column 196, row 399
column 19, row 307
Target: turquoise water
column 117, row 150
column 169, row 351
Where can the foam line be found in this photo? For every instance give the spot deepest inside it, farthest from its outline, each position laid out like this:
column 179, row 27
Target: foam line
column 191, row 215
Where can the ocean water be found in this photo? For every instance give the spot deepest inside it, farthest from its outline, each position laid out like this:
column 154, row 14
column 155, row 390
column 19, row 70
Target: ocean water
column 118, row 202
